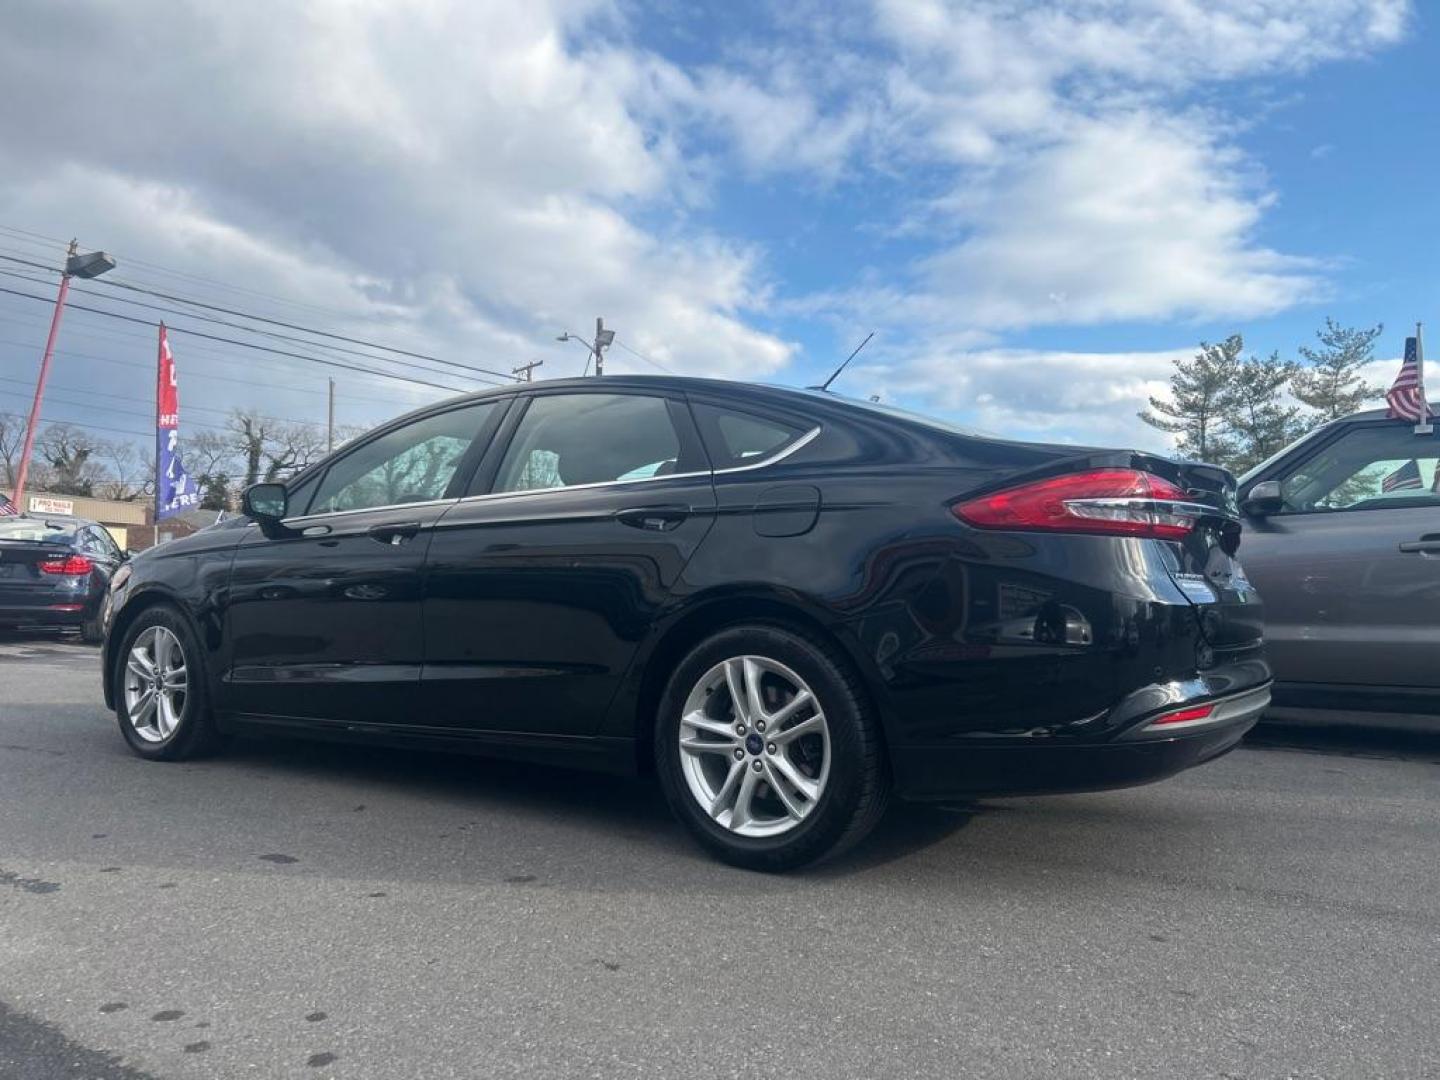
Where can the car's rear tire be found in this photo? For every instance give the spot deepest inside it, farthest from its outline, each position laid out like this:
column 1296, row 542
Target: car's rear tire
column 91, row 632
column 793, row 775
column 160, row 689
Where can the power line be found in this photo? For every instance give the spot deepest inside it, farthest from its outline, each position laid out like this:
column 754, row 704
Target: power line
column 642, row 356
column 25, row 236
column 243, row 344
column 247, row 315
column 145, row 401
column 205, row 351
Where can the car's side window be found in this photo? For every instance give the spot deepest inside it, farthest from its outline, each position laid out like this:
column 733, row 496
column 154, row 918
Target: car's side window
column 90, row 543
column 411, row 464
column 569, row 439
column 107, row 542
column 737, row 438
column 1366, row 468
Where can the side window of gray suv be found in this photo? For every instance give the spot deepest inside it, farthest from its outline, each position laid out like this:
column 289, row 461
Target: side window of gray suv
column 1367, row 467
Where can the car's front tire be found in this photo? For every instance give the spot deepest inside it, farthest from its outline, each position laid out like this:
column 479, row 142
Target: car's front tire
column 768, row 749
column 161, row 699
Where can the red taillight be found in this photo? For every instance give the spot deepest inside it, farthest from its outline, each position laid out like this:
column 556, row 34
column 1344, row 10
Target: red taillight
column 1183, row 716
column 74, row 565
column 1124, row 502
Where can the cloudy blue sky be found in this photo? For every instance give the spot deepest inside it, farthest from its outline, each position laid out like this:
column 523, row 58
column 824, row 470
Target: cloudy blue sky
column 1035, row 205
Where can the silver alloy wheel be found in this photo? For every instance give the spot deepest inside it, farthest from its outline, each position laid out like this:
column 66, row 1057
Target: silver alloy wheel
column 754, row 746
column 156, row 684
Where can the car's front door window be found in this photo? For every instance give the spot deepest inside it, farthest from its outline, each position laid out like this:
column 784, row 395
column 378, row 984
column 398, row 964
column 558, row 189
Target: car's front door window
column 412, row 464
column 1383, row 466
column 569, row 439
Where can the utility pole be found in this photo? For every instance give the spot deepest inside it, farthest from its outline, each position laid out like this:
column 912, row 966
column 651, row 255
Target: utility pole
column 76, row 265
column 603, row 340
column 330, row 419
column 523, row 372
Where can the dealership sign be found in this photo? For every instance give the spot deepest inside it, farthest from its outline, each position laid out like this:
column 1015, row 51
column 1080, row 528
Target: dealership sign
column 44, row 504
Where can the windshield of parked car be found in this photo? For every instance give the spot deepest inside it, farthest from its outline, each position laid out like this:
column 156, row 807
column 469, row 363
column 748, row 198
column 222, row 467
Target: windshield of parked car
column 32, row 530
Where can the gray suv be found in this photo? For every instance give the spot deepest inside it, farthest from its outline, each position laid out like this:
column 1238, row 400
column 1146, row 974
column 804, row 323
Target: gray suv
column 1342, row 540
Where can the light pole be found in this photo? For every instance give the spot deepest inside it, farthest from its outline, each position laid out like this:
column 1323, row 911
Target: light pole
column 82, row 266
column 603, row 339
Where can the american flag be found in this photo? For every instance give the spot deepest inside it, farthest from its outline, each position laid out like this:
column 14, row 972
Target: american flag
column 7, row 508
column 1407, row 395
column 1405, row 478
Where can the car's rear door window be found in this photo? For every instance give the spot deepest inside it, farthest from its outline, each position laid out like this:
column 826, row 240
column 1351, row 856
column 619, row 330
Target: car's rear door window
column 1370, row 467
column 735, row 438
column 565, row 440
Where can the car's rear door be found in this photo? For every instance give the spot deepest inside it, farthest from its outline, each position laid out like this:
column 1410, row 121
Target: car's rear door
column 1350, row 566
column 543, row 583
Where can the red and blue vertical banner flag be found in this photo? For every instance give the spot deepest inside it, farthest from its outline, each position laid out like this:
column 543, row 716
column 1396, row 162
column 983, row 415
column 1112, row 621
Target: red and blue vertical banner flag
column 174, row 490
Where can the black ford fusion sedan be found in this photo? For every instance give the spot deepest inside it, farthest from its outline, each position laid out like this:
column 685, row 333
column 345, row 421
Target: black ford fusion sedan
column 785, row 604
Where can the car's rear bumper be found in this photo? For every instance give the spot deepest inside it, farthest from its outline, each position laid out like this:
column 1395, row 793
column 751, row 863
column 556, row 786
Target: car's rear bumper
column 51, row 613
column 1141, row 753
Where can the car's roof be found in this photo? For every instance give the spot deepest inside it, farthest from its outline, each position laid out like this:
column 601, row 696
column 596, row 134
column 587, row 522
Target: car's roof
column 1378, row 413
column 757, row 393
column 69, row 521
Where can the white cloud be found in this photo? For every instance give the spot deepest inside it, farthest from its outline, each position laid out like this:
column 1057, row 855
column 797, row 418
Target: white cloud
column 470, row 178
column 1058, row 396
column 1130, row 217
column 466, row 174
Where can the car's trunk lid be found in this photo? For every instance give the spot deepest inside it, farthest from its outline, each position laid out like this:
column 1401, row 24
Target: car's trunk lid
column 21, row 579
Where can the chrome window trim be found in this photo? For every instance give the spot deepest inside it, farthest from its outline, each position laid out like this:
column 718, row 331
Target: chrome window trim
column 308, row 518
column 779, row 455
column 580, row 487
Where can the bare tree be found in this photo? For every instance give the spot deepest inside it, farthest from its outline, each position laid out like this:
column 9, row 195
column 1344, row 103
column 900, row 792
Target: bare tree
column 12, row 438
column 271, row 449
column 69, row 450
column 127, row 472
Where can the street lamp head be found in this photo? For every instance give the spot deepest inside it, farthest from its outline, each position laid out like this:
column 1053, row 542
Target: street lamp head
column 563, row 337
column 91, row 265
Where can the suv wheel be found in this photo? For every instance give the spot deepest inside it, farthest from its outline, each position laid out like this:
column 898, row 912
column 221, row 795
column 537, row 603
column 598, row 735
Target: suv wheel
column 768, row 750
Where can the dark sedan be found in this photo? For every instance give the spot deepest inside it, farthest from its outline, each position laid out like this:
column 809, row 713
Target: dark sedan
column 784, row 603
column 54, row 571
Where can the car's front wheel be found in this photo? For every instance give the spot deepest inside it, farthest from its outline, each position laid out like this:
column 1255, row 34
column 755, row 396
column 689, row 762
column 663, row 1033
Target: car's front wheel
column 160, row 693
column 768, row 749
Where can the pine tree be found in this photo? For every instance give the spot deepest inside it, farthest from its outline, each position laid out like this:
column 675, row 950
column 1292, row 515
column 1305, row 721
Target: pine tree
column 1330, row 381
column 1196, row 408
column 1255, row 411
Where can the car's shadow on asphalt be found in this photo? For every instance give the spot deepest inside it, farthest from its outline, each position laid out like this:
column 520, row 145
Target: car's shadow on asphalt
column 632, row 807
column 1343, row 739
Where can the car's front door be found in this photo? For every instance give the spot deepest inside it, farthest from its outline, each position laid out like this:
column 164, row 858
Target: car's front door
column 323, row 616
column 544, row 582
column 1349, row 568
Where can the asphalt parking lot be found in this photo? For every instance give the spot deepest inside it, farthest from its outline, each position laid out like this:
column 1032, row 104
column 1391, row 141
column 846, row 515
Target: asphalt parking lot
column 312, row 911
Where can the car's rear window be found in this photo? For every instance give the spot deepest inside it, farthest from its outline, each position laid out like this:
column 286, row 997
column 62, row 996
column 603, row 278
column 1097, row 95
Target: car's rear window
column 36, row 531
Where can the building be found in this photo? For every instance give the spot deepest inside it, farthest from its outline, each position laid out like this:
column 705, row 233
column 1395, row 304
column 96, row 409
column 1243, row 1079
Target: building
column 131, row 523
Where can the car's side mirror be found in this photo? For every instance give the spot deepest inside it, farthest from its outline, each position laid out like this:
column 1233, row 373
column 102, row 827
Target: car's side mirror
column 126, row 555
column 266, row 503
column 1263, row 498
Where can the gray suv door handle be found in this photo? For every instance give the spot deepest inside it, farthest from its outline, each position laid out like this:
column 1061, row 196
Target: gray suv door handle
column 1426, row 546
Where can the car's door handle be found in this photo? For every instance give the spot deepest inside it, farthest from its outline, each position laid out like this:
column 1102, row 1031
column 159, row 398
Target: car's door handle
column 1426, row 545
column 653, row 518
column 395, row 534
